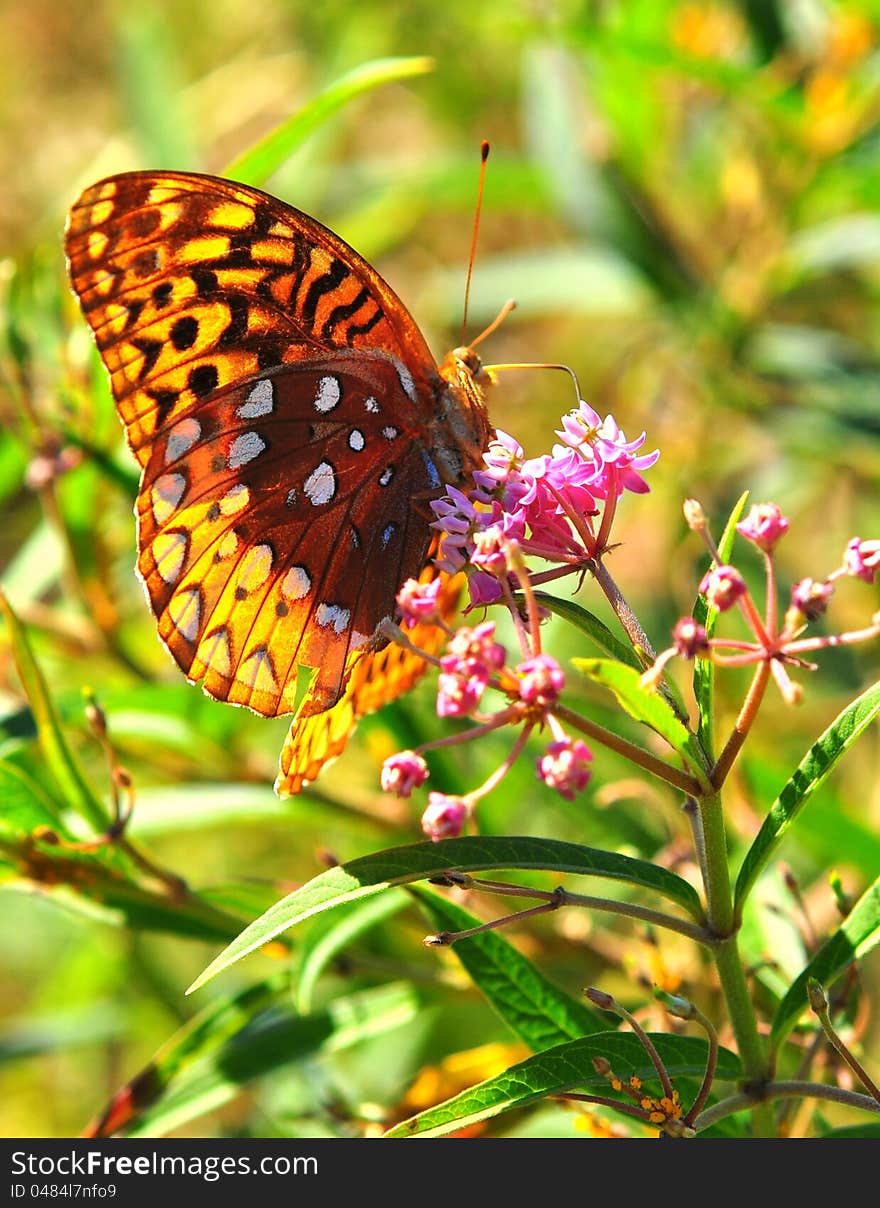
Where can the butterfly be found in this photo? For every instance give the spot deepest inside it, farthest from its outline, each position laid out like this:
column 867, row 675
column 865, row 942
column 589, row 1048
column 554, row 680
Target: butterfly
column 292, row 428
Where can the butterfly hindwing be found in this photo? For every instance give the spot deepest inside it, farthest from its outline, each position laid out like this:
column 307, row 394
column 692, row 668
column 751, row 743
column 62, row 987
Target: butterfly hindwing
column 373, row 680
column 269, row 531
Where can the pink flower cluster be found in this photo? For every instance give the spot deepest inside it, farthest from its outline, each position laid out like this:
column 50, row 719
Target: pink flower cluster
column 546, row 504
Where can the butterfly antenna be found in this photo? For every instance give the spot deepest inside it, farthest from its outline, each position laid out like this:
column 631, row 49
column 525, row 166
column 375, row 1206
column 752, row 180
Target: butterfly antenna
column 529, row 365
column 484, row 155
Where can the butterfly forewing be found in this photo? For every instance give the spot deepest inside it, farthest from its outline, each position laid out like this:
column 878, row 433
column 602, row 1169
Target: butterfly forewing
column 191, row 283
column 292, row 428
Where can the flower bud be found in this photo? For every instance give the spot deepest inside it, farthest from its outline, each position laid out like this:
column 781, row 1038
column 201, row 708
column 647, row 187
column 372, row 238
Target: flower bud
column 723, row 586
column 690, row 639
column 764, row 525
column 445, row 816
column 403, row 772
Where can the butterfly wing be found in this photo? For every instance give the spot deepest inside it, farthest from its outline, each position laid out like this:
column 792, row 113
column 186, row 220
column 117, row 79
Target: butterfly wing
column 273, row 534
column 191, row 283
column 373, row 680
column 284, row 408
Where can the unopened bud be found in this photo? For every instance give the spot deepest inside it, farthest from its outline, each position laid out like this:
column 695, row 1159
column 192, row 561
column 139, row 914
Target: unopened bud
column 678, row 1007
column 694, row 515
column 602, row 1066
column 96, row 718
column 690, row 638
column 599, row 998
column 122, row 777
column 817, row 996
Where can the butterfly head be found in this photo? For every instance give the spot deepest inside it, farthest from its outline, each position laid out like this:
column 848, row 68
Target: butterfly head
column 461, row 427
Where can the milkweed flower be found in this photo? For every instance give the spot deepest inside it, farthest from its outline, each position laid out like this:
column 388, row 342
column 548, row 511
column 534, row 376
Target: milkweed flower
column 541, row 681
column 764, row 525
column 403, row 772
column 723, row 586
column 418, row 601
column 445, row 816
column 862, row 559
column 565, row 766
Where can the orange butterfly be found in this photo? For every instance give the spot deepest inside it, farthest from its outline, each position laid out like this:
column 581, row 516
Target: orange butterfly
column 292, row 428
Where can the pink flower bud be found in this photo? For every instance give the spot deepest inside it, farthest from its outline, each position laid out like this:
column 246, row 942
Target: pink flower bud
column 541, row 681
column 445, row 816
column 811, row 598
column 458, row 695
column 862, row 559
column 764, row 525
column 476, row 645
column 566, row 766
column 418, row 601
column 403, row 772
column 722, row 587
column 689, row 638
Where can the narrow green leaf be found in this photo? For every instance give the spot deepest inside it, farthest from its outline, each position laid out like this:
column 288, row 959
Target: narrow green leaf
column 647, row 707
column 816, row 765
column 342, row 929
column 103, row 876
column 704, row 669
column 540, row 1013
column 589, row 625
column 270, row 1040
column 398, row 866
column 256, row 165
column 23, row 804
column 853, row 1130
column 561, row 1069
column 855, row 937
column 59, row 757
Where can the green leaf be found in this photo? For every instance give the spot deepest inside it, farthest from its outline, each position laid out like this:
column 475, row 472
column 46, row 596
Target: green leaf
column 589, row 625
column 540, row 1013
column 856, row 936
column 342, row 929
column 59, row 757
column 270, row 1040
column 704, row 669
column 265, row 157
column 103, row 876
column 24, row 805
column 561, row 1069
column 375, row 873
column 816, row 765
column 647, row 707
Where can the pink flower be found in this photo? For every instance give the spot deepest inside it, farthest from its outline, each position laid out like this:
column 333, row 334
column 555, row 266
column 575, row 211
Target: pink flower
column 566, row 766
column 477, row 645
column 722, row 587
column 503, row 456
column 483, row 589
column 490, row 550
column 418, row 601
column 541, row 681
column 457, row 694
column 445, row 816
column 689, row 638
column 810, row 598
column 862, row 559
column 403, row 772
column 466, row 668
column 764, row 525
column 603, row 444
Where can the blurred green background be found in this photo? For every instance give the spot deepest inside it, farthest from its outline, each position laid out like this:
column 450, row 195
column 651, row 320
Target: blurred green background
column 683, row 199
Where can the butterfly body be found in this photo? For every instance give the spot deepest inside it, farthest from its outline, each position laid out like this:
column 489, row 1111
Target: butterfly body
column 290, row 422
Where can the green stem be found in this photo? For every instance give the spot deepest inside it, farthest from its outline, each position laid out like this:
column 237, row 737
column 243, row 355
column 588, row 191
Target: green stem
column 720, row 914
